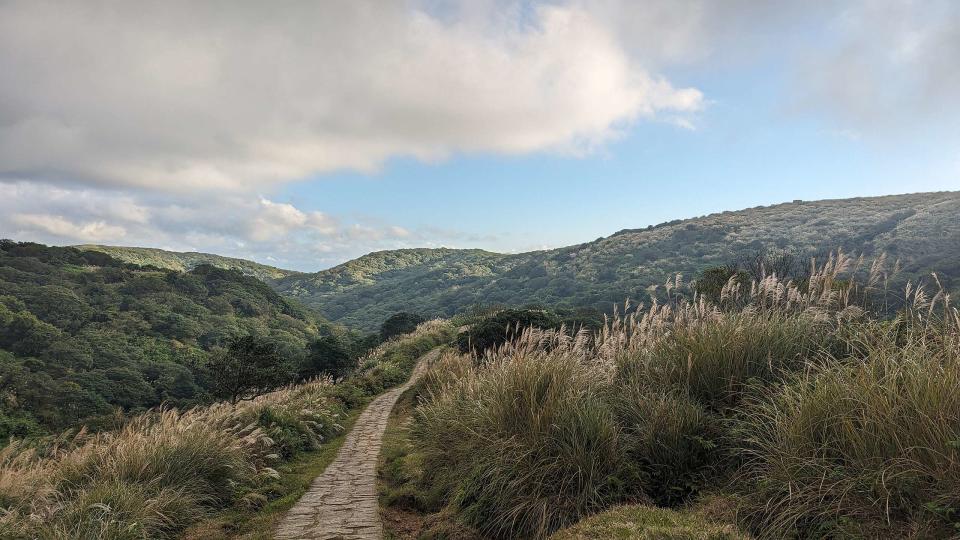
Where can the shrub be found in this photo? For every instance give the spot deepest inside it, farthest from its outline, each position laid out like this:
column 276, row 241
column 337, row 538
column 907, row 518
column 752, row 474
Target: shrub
column 714, row 359
column 249, row 368
column 668, row 442
column 121, row 510
column 399, row 324
column 523, row 446
column 866, row 447
column 711, row 282
column 501, row 327
column 328, row 356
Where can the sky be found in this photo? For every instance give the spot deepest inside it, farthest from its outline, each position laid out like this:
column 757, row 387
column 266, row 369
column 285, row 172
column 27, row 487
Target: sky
column 304, row 134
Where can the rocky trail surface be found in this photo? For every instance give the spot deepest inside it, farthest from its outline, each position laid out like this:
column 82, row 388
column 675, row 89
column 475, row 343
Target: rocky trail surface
column 342, row 502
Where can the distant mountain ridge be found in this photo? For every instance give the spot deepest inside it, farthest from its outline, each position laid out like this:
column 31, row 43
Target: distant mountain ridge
column 188, row 260
column 922, row 229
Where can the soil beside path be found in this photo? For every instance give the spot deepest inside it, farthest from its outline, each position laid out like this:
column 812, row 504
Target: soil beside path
column 342, row 502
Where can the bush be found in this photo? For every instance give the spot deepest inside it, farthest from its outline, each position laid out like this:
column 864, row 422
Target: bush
column 503, row 326
column 717, row 358
column 669, row 442
column 522, row 447
column 121, row 510
column 865, row 447
column 399, row 324
column 247, row 369
column 329, row 356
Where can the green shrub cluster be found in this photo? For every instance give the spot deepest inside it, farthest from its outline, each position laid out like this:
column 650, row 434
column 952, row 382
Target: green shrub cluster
column 864, row 447
column 523, row 446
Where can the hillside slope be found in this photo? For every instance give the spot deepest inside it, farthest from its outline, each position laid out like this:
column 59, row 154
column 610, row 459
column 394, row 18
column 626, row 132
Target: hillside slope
column 921, row 229
column 83, row 335
column 185, row 261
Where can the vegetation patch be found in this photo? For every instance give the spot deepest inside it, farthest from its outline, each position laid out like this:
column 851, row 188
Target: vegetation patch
column 919, row 229
column 166, row 469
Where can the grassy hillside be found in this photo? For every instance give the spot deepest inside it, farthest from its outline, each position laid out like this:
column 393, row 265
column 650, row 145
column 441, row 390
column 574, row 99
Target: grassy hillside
column 786, row 411
column 921, row 229
column 84, row 336
column 184, row 261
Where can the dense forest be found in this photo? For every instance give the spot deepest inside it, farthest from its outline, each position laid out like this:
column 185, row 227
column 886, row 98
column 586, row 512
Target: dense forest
column 921, row 230
column 85, row 337
column 184, row 261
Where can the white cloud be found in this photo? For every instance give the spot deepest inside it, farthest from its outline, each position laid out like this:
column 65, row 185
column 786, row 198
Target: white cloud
column 886, row 66
column 183, row 95
column 91, row 231
column 238, row 225
column 881, row 68
column 399, row 232
column 275, row 220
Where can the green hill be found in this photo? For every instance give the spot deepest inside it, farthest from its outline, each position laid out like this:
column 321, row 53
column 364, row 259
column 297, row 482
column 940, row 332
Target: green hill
column 84, row 335
column 923, row 230
column 184, row 261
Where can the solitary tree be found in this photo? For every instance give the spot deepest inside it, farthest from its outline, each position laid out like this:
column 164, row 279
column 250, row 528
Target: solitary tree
column 328, row 355
column 711, row 282
column 247, row 369
column 505, row 326
column 398, row 324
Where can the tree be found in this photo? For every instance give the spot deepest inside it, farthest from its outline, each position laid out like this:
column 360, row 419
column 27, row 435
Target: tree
column 399, row 324
column 246, row 369
column 711, row 282
column 328, row 355
column 785, row 263
column 497, row 329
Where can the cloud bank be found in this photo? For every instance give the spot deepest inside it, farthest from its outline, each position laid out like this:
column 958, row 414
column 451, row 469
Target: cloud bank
column 180, row 95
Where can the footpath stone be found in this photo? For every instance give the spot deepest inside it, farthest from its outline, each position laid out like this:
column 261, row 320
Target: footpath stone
column 341, row 503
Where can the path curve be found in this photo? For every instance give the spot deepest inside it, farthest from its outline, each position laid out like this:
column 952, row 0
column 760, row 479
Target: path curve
column 342, row 502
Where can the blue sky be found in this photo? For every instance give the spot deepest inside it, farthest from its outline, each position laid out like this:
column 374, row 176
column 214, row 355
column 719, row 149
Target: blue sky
column 307, row 135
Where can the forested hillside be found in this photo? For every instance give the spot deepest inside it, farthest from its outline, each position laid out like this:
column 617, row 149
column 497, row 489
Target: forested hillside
column 188, row 260
column 923, row 230
column 84, row 336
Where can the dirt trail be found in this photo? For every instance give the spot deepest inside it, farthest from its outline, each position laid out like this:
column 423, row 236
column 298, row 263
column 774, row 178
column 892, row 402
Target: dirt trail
column 342, row 502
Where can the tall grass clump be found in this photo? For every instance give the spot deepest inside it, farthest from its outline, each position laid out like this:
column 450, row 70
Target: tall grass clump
column 524, row 444
column 713, row 359
column 863, row 447
column 166, row 468
column 667, row 443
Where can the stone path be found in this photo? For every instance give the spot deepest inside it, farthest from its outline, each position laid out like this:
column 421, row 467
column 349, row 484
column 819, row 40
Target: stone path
column 341, row 504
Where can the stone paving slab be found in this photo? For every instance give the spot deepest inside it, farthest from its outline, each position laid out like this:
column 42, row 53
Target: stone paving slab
column 341, row 503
